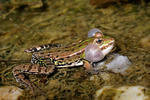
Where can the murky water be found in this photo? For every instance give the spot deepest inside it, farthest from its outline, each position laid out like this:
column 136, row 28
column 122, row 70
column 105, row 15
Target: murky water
column 67, row 22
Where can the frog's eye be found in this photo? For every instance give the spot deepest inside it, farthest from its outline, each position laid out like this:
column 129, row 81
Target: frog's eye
column 99, row 41
column 93, row 32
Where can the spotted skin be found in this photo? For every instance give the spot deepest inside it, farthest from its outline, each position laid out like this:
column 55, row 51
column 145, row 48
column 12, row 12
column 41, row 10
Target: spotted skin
column 20, row 71
column 42, row 47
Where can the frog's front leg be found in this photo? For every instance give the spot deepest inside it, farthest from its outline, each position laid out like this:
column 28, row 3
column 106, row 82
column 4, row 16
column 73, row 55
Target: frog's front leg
column 89, row 66
column 20, row 71
column 42, row 47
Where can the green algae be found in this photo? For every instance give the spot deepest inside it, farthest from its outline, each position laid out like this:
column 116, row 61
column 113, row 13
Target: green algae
column 66, row 22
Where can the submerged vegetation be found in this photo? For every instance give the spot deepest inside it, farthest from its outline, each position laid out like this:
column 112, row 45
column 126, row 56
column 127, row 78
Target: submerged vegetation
column 66, row 22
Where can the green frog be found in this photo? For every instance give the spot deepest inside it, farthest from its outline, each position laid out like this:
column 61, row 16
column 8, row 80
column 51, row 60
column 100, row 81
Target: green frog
column 46, row 58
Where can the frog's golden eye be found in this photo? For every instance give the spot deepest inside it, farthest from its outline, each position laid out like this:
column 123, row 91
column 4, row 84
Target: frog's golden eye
column 99, row 41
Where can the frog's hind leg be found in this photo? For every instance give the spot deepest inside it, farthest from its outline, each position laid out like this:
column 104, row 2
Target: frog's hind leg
column 42, row 47
column 20, row 71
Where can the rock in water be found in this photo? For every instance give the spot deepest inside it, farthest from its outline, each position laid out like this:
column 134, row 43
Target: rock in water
column 114, row 62
column 119, row 64
column 10, row 93
column 122, row 93
column 93, row 53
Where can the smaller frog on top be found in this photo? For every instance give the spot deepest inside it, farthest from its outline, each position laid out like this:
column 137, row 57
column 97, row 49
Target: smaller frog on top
column 46, row 58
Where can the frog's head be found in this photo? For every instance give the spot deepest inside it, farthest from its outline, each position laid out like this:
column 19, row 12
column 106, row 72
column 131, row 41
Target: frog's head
column 105, row 43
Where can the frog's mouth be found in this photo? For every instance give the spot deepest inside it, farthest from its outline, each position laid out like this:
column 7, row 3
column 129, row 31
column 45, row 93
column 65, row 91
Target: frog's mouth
column 107, row 48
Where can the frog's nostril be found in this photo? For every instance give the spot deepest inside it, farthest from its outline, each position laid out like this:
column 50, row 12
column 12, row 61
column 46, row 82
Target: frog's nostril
column 93, row 31
column 93, row 53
